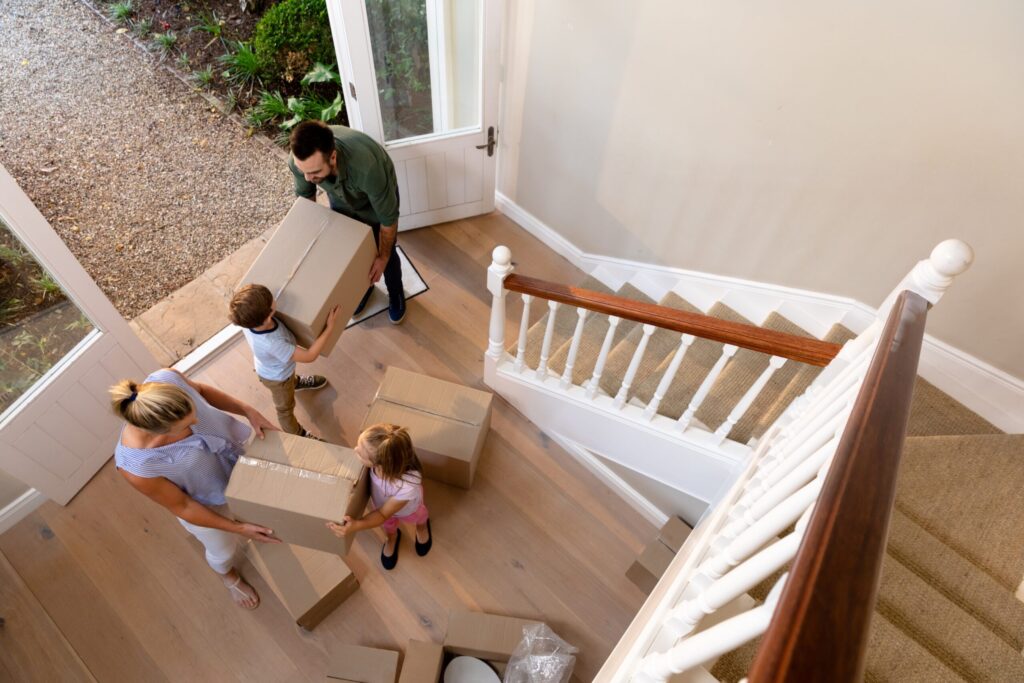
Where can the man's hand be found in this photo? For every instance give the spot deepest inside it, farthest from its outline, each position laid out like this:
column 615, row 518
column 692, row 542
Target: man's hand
column 377, row 268
column 259, row 423
column 258, row 533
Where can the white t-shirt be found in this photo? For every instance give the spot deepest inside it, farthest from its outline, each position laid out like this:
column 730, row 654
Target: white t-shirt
column 409, row 488
column 272, row 351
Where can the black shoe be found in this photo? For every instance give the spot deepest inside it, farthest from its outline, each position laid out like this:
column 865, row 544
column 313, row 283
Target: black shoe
column 308, row 382
column 424, row 548
column 362, row 302
column 396, row 311
column 306, row 435
column 389, row 562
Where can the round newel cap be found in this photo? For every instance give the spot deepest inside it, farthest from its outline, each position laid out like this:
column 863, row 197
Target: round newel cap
column 501, row 255
column 952, row 257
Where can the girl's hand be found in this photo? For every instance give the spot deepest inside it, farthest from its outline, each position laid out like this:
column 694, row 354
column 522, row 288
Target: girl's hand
column 342, row 530
column 259, row 423
column 258, row 533
column 332, row 318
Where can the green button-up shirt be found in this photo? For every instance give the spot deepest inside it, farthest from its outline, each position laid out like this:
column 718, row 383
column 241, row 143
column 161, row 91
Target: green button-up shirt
column 365, row 188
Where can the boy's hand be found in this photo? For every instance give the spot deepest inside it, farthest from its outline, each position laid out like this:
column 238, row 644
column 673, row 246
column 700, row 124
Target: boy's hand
column 332, row 318
column 341, row 530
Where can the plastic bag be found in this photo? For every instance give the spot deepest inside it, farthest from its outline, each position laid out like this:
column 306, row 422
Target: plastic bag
column 541, row 657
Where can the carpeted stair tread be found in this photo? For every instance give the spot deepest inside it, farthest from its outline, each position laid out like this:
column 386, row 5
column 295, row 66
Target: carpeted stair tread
column 740, row 374
column 661, row 346
column 732, row 667
column 565, row 325
column 934, row 413
column 788, row 383
column 892, row 656
column 952, row 635
column 966, row 490
column 699, row 359
column 957, row 579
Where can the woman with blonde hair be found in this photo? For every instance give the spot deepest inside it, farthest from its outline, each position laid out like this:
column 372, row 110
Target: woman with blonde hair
column 178, row 447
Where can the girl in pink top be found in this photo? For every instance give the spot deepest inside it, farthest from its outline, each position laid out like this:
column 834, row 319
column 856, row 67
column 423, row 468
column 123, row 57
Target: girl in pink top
column 396, row 488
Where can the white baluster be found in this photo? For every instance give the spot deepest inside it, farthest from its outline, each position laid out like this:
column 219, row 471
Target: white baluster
column 545, row 349
column 728, row 351
column 666, row 380
column 737, row 413
column 634, row 364
column 574, row 347
column 500, row 268
column 524, row 325
column 685, row 618
column 595, row 380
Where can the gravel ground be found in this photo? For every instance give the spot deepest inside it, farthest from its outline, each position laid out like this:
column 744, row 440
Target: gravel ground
column 144, row 182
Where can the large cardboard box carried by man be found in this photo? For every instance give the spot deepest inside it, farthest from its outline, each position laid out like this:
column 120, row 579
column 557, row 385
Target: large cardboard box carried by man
column 448, row 422
column 315, row 260
column 295, row 486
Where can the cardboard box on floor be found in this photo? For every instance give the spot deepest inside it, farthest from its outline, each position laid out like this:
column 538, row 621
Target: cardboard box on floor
column 448, row 422
column 658, row 554
column 295, row 486
column 315, row 260
column 356, row 664
column 475, row 634
column 674, row 533
column 309, row 583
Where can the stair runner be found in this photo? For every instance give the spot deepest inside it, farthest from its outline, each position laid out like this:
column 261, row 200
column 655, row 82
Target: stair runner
column 946, row 608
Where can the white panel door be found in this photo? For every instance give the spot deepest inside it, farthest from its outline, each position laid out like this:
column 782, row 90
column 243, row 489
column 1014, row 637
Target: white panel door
column 421, row 78
column 56, row 427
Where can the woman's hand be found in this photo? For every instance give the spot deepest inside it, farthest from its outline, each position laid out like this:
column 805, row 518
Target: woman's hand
column 342, row 530
column 259, row 423
column 257, row 533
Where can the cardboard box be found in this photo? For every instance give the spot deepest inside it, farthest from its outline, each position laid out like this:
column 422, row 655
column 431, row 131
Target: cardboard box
column 423, row 662
column 356, row 664
column 316, row 259
column 674, row 534
column 448, row 422
column 295, row 486
column 649, row 567
column 309, row 583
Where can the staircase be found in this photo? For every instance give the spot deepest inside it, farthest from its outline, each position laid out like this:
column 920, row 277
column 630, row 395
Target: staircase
column 697, row 414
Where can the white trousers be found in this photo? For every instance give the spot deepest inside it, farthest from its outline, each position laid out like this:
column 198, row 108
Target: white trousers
column 221, row 546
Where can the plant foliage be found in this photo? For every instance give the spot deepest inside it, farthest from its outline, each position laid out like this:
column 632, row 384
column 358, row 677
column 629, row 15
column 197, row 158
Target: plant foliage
column 293, row 27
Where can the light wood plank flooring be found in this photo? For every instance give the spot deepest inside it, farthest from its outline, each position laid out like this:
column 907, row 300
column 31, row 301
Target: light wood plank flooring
column 112, row 588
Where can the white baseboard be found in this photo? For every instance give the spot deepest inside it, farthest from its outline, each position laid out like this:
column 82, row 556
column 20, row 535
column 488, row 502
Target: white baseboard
column 208, row 350
column 995, row 395
column 20, row 508
column 638, row 502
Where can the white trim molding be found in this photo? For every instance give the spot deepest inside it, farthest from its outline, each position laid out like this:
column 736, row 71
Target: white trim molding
column 993, row 394
column 20, row 508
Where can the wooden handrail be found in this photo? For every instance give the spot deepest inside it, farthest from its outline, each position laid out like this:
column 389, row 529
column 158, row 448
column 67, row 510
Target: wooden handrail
column 820, row 627
column 794, row 347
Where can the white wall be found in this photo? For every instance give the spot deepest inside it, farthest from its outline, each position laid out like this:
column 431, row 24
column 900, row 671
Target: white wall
column 820, row 145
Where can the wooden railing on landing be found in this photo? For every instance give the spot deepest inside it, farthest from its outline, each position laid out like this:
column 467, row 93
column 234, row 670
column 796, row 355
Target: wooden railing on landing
column 819, row 629
column 793, row 347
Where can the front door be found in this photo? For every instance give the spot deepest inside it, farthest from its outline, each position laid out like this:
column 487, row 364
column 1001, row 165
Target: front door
column 62, row 344
column 421, row 78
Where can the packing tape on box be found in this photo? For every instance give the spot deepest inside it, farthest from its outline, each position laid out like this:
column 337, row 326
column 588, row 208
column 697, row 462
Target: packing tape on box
column 288, row 470
column 298, row 264
column 428, row 411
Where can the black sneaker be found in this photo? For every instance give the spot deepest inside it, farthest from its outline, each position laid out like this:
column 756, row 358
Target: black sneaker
column 306, row 435
column 396, row 311
column 309, row 382
column 362, row 302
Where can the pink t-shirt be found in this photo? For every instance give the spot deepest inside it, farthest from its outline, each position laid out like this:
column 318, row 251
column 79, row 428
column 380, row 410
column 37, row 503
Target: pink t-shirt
column 409, row 488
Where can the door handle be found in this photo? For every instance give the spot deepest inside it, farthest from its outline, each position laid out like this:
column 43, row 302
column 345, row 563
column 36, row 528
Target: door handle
column 491, row 142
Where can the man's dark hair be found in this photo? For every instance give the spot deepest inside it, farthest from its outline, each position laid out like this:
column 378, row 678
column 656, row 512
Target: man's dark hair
column 309, row 137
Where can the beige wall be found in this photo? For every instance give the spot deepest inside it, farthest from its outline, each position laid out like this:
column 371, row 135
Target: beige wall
column 820, row 145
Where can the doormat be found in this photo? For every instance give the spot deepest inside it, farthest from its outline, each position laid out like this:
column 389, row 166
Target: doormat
column 378, row 303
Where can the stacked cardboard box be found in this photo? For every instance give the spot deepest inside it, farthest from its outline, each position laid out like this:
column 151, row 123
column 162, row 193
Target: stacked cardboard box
column 315, row 260
column 295, row 486
column 309, row 583
column 486, row 636
column 658, row 554
column 447, row 422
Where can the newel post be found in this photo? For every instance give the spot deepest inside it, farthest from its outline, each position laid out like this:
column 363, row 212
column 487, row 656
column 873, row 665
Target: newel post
column 500, row 268
column 932, row 277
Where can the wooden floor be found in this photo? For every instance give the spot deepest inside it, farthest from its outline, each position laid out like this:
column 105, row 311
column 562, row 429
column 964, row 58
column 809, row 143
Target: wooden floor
column 111, row 588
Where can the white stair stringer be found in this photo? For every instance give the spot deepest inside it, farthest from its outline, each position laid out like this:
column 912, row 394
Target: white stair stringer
column 693, row 462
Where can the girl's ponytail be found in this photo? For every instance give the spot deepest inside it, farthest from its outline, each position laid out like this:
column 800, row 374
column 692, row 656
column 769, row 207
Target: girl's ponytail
column 393, row 451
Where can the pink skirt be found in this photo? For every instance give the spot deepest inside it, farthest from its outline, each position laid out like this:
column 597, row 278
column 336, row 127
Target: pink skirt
column 419, row 516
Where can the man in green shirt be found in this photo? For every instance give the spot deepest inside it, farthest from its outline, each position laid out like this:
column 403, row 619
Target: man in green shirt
column 359, row 179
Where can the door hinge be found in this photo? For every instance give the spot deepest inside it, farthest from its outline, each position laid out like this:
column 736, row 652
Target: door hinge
column 352, row 90
column 491, row 141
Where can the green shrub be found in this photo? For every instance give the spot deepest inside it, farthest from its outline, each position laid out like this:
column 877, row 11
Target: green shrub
column 290, row 28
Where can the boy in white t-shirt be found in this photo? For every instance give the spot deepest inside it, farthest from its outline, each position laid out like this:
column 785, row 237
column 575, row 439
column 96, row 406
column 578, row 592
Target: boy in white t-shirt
column 275, row 352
